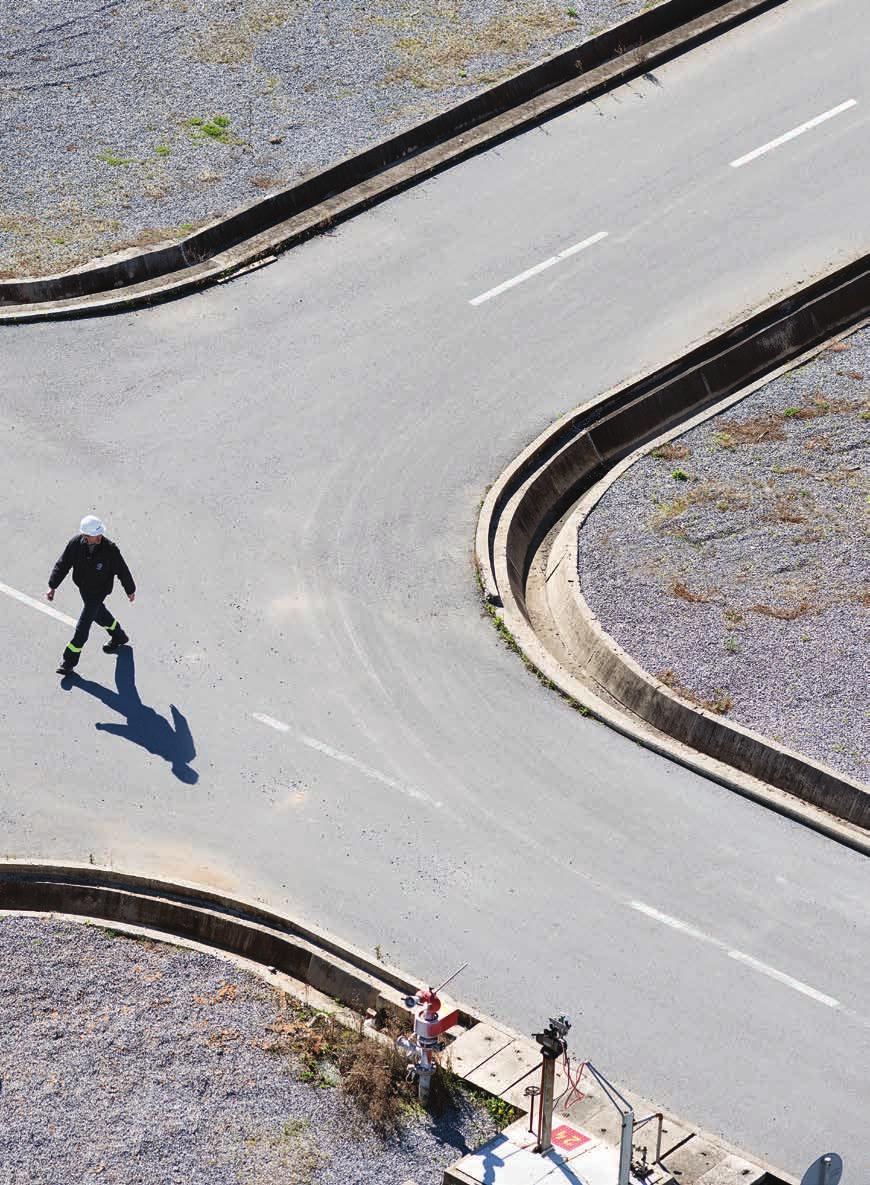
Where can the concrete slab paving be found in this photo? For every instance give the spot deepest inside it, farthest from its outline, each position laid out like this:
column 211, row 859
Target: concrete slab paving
column 475, row 1047
column 506, row 1067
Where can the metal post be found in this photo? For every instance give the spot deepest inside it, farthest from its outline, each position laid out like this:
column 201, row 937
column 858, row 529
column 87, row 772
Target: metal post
column 627, row 1118
column 548, row 1081
column 626, row 1115
column 553, row 1044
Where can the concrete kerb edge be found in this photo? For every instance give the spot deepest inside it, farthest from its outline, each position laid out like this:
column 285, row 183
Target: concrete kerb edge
column 206, row 901
column 579, row 694
column 490, row 559
column 80, row 878
column 652, row 37
column 567, row 545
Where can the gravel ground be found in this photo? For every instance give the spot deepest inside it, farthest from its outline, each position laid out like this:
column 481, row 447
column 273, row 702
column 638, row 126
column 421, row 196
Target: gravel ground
column 125, row 124
column 139, row 1063
column 734, row 562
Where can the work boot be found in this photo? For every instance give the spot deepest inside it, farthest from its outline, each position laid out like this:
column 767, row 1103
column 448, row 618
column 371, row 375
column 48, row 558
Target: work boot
column 119, row 639
column 65, row 668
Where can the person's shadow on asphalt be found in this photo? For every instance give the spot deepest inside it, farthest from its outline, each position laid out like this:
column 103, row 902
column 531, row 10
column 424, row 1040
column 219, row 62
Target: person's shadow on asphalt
column 145, row 727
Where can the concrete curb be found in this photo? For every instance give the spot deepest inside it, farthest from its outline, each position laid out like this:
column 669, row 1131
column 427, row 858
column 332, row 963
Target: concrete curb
column 246, row 930
column 228, row 924
column 541, row 485
column 255, row 233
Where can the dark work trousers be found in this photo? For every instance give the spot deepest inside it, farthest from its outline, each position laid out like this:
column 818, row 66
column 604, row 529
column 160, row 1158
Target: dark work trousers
column 93, row 610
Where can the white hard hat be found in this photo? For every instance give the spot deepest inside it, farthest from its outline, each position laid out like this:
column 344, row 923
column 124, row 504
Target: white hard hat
column 91, row 525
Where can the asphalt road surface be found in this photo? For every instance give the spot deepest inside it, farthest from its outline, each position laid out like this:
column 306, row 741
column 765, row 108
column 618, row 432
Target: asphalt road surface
column 293, row 464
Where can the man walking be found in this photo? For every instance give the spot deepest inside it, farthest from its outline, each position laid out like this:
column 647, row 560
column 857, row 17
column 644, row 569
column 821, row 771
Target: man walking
column 95, row 562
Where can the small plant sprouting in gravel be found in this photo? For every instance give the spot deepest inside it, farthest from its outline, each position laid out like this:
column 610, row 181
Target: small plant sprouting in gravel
column 720, row 702
column 109, row 158
column 791, row 413
column 680, row 475
column 216, row 128
column 162, row 149
column 732, row 646
column 573, row 14
column 501, row 1112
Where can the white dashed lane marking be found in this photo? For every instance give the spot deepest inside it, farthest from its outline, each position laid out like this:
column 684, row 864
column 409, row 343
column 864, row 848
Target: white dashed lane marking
column 538, row 268
column 346, row 759
column 798, row 131
column 756, row 964
column 34, row 604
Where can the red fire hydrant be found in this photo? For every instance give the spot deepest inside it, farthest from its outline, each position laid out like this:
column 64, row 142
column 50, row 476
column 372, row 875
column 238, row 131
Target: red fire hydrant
column 423, row 1044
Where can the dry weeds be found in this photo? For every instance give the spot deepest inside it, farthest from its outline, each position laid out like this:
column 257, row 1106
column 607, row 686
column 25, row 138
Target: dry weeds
column 231, row 43
column 686, row 594
column 791, row 508
column 752, row 431
column 721, row 495
column 784, row 612
column 720, row 701
column 441, row 56
column 372, row 1071
column 671, row 451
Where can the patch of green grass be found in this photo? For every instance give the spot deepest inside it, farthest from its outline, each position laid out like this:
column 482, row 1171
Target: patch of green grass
column 512, row 644
column 679, row 475
column 162, row 150
column 502, row 1113
column 573, row 14
column 791, row 413
column 109, row 158
column 732, row 646
column 216, row 128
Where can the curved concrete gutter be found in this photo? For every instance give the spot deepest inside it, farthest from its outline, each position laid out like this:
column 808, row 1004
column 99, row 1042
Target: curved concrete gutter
column 227, row 924
column 255, row 233
column 541, row 606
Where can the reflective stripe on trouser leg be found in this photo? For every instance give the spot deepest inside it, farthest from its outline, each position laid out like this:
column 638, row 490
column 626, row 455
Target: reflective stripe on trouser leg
column 111, row 628
column 70, row 655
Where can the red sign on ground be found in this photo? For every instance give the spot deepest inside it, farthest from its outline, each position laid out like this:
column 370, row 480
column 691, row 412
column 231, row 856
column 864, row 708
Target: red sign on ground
column 567, row 1138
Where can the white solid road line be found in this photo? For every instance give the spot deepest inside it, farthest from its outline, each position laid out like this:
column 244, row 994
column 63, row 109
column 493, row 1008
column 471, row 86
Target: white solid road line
column 783, row 978
column 539, row 267
column 798, row 131
column 271, row 721
column 674, row 923
column 755, row 964
column 346, row 759
column 34, row 604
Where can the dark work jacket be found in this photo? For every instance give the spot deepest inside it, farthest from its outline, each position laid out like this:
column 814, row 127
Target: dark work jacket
column 93, row 571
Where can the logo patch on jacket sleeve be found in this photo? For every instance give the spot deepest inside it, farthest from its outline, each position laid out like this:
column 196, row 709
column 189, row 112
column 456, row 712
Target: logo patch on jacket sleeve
column 99, row 567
